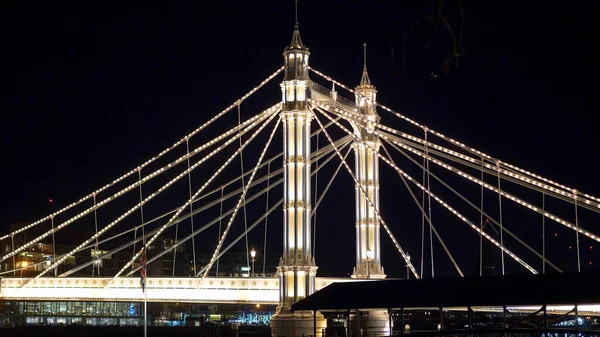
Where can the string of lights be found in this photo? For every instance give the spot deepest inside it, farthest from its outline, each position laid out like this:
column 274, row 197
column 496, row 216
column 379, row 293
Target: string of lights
column 400, row 250
column 461, row 145
column 228, row 227
column 151, row 196
column 151, row 160
column 483, row 213
column 441, row 202
column 186, row 204
column 252, row 123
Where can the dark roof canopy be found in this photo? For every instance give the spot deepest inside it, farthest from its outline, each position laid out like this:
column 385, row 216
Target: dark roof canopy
column 565, row 288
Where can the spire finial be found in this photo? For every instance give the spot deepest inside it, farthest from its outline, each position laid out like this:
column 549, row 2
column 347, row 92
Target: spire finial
column 296, row 40
column 364, row 52
column 365, row 81
column 296, row 15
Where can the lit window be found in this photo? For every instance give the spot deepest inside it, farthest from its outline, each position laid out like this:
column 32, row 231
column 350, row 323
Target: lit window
column 300, row 93
column 290, row 94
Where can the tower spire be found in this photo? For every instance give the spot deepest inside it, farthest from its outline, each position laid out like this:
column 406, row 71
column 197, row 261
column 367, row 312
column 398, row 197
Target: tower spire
column 296, row 26
column 365, row 81
column 296, row 40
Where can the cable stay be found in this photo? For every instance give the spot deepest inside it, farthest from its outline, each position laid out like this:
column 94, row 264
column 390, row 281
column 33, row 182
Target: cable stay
column 266, row 222
column 446, row 206
column 400, row 250
column 315, row 155
column 431, row 227
column 243, row 184
column 151, row 160
column 252, row 123
column 151, row 196
column 480, row 210
column 216, row 174
column 558, row 188
column 213, row 258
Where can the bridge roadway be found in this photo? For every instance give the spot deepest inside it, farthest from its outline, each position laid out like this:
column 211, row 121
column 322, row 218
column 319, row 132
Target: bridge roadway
column 263, row 290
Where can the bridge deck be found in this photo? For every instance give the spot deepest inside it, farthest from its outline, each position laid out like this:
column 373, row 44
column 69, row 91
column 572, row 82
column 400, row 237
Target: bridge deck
column 211, row 290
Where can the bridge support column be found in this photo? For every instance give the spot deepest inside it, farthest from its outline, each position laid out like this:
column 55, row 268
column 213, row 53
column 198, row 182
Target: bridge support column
column 366, row 146
column 297, row 269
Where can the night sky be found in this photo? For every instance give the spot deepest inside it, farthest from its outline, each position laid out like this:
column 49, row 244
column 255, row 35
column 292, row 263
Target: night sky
column 92, row 89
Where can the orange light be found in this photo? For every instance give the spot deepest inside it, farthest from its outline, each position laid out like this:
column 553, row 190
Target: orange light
column 258, row 305
column 24, row 264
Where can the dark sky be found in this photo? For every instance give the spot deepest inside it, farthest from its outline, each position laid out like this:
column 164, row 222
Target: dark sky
column 92, row 89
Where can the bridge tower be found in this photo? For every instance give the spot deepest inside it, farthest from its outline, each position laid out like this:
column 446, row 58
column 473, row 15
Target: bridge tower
column 366, row 161
column 368, row 252
column 297, row 269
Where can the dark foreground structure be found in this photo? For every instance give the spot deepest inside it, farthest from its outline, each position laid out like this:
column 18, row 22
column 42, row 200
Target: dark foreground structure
column 519, row 304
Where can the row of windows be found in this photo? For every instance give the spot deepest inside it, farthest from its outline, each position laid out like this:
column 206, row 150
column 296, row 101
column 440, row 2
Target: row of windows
column 42, row 320
column 74, row 308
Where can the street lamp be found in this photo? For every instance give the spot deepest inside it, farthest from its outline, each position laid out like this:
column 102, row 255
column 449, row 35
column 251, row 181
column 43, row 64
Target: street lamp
column 369, row 257
column 407, row 264
column 253, row 255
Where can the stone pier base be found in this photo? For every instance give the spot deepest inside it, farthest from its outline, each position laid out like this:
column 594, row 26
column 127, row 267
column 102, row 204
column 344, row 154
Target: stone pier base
column 296, row 324
column 377, row 324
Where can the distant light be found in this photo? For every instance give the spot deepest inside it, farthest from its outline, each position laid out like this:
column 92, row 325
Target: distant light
column 590, row 247
column 555, row 234
column 590, row 263
column 50, row 201
column 258, row 305
column 570, row 247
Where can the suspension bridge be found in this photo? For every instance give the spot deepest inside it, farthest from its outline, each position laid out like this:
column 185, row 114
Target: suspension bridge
column 197, row 174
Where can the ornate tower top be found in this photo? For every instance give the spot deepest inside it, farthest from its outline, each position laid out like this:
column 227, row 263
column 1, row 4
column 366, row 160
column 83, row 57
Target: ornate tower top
column 366, row 94
column 296, row 56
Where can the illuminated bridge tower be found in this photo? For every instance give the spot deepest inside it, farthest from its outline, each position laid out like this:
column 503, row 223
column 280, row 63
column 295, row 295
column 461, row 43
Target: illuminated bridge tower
column 297, row 269
column 368, row 252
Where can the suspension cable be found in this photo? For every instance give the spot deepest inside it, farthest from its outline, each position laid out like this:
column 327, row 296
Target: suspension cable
column 429, row 205
column 400, row 250
column 480, row 231
column 441, row 202
column 250, row 199
column 187, row 143
column 53, row 243
column 223, row 251
column 479, row 153
column 461, row 145
column 314, row 210
column 477, row 209
column 185, row 205
column 431, row 227
column 577, row 233
column 266, row 218
column 344, row 140
column 504, row 193
column 543, row 233
column 243, row 200
column 480, row 225
column 96, row 227
column 422, row 222
column 220, row 223
column 246, row 232
column 151, row 196
column 500, row 211
column 162, row 153
column 212, row 260
column 172, row 223
column 249, row 124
